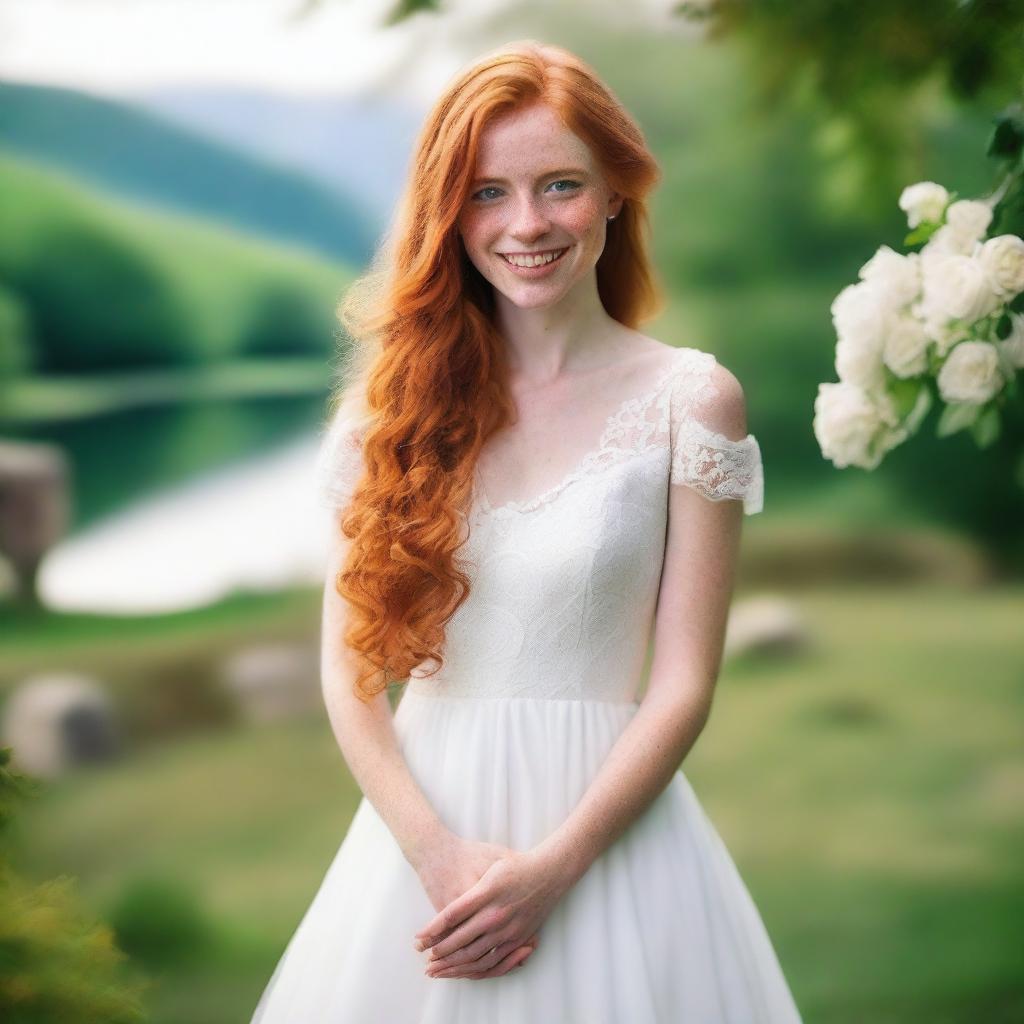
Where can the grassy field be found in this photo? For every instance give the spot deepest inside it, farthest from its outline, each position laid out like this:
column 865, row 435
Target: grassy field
column 870, row 790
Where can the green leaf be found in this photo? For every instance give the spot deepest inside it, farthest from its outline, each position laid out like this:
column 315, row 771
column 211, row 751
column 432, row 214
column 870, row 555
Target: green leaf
column 1008, row 135
column 1004, row 325
column 987, row 427
column 921, row 233
column 957, row 416
column 920, row 410
column 904, row 392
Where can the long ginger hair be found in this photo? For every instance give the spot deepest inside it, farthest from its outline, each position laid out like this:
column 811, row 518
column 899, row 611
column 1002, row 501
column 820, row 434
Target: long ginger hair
column 426, row 373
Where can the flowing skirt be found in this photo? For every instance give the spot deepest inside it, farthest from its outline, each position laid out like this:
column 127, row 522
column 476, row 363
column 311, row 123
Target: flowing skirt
column 660, row 929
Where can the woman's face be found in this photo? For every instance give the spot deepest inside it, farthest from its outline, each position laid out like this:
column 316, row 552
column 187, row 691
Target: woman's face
column 536, row 191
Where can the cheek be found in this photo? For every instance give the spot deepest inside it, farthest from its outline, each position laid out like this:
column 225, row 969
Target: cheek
column 467, row 225
column 583, row 217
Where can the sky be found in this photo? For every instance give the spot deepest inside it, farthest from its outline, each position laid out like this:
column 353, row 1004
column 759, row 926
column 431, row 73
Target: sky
column 112, row 47
column 115, row 47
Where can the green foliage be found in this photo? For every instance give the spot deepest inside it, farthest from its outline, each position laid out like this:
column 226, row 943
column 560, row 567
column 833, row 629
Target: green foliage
column 872, row 47
column 160, row 921
column 14, row 788
column 1006, row 145
column 105, row 285
column 15, row 346
column 875, row 71
column 57, row 966
column 97, row 303
column 283, row 322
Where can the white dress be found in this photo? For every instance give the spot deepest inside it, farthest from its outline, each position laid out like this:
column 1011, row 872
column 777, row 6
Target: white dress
column 543, row 664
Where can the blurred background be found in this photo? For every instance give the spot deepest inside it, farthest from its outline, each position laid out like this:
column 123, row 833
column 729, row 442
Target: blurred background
column 185, row 190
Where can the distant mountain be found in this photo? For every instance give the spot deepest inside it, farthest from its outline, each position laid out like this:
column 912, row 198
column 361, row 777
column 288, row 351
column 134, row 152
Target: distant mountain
column 359, row 145
column 137, row 154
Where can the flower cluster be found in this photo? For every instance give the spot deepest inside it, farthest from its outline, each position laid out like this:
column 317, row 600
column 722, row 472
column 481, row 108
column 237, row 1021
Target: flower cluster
column 939, row 320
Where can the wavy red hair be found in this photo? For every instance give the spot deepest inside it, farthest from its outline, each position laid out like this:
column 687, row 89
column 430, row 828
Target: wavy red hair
column 426, row 374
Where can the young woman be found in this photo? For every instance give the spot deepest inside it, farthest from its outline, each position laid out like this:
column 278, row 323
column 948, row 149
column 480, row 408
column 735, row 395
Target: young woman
column 528, row 491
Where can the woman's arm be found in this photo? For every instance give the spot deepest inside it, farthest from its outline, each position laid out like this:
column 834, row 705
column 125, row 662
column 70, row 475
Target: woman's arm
column 702, row 547
column 366, row 733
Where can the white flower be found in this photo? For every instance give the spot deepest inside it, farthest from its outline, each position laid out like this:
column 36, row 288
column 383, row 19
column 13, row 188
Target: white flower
column 956, row 286
column 859, row 315
column 969, row 219
column 924, row 201
column 860, row 364
column 946, row 333
column 970, row 373
column 906, row 347
column 946, row 240
column 1012, row 346
column 852, row 427
column 1002, row 259
column 897, row 277
column 966, row 223
column 844, row 423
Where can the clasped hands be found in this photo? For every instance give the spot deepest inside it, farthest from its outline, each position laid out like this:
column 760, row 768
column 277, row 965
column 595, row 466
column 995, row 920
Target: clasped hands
column 492, row 899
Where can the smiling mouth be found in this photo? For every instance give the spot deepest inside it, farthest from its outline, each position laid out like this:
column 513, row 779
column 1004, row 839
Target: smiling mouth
column 537, row 260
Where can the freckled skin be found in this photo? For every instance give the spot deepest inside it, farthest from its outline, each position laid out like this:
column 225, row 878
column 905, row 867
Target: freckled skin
column 533, row 210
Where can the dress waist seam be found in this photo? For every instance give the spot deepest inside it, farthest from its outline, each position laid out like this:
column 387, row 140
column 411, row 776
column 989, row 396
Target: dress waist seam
column 517, row 697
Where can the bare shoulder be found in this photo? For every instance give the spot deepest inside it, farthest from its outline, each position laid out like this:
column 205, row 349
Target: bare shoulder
column 724, row 408
column 722, row 404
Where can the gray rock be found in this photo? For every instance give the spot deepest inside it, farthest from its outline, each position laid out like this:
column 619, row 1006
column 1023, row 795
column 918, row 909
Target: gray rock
column 59, row 721
column 272, row 681
column 766, row 623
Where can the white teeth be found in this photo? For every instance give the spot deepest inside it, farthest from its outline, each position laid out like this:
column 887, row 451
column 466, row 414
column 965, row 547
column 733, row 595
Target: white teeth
column 533, row 261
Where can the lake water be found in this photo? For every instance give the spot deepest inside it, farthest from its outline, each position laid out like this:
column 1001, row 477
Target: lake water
column 254, row 525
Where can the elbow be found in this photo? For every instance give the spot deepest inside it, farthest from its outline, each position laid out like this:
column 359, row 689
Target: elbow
column 687, row 705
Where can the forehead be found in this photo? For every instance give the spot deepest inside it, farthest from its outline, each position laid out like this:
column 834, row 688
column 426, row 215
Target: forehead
column 529, row 141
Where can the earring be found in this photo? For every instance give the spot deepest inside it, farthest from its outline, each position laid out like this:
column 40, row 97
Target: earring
column 612, row 217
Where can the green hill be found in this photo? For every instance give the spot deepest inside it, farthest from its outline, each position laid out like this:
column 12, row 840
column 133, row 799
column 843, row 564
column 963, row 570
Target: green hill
column 131, row 152
column 98, row 284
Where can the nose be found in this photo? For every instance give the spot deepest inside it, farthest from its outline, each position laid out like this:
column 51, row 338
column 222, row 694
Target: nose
column 528, row 220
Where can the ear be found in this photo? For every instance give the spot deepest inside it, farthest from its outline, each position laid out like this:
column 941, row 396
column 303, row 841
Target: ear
column 615, row 205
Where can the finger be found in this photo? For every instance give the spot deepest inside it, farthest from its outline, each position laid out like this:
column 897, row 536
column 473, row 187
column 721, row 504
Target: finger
column 491, row 964
column 515, row 959
column 484, row 952
column 528, row 946
column 477, row 927
column 485, row 923
column 452, row 915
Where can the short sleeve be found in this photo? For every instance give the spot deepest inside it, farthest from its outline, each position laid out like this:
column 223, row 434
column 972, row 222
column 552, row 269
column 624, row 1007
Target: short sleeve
column 703, row 456
column 339, row 462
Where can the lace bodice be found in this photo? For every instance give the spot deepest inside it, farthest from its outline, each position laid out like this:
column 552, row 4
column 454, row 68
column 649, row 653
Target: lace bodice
column 564, row 583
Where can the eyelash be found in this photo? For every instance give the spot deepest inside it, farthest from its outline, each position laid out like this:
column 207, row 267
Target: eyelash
column 560, row 181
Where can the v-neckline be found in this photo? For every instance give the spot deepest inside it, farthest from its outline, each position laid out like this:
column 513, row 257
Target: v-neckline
column 589, row 457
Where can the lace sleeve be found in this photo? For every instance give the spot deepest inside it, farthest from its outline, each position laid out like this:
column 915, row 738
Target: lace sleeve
column 703, row 456
column 339, row 462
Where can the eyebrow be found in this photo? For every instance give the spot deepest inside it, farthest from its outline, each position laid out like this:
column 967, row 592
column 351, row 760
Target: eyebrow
column 578, row 171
